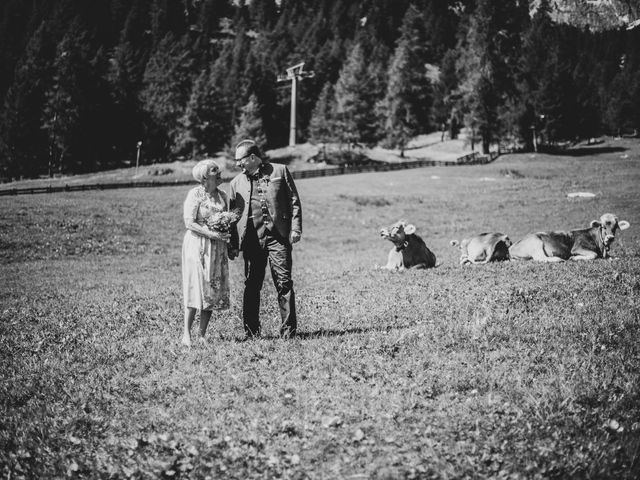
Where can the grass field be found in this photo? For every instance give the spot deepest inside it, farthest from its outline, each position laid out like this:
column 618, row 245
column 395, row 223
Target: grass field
column 511, row 370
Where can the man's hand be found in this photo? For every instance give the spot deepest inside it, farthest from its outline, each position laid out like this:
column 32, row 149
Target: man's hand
column 294, row 237
column 221, row 236
column 232, row 253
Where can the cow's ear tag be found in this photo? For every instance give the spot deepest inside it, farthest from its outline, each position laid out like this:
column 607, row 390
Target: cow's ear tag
column 595, row 223
column 409, row 229
column 623, row 224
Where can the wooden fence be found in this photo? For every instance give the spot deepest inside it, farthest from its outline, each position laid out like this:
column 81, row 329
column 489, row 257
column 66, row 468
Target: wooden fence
column 471, row 159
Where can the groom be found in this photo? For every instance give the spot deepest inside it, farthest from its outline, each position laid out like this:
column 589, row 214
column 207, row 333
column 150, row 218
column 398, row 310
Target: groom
column 270, row 222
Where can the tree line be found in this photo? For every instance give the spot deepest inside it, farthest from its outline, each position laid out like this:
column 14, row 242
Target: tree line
column 82, row 83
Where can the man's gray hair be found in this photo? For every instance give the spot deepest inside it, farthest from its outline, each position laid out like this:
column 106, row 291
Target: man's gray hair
column 250, row 147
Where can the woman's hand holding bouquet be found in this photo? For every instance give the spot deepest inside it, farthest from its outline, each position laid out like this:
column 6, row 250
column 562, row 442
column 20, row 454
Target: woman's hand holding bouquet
column 220, row 224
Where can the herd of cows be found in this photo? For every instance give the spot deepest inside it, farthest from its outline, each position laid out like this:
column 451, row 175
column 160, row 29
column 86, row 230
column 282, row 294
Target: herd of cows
column 410, row 251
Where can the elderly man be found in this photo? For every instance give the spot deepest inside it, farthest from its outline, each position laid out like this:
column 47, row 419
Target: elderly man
column 270, row 222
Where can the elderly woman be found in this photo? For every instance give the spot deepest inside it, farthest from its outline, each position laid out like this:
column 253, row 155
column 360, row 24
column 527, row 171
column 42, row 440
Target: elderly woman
column 205, row 268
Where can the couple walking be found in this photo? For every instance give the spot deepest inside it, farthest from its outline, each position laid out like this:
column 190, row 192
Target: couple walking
column 269, row 221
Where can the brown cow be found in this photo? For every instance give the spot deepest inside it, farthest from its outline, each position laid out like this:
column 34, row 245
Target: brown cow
column 409, row 250
column 585, row 244
column 483, row 248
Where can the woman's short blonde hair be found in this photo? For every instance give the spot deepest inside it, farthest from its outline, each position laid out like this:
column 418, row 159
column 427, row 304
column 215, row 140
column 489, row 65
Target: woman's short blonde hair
column 203, row 169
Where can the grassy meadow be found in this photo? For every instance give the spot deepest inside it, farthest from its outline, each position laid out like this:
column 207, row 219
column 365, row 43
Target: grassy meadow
column 510, row 370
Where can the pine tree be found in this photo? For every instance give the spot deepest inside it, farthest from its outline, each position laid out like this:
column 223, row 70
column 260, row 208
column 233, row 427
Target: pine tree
column 539, row 54
column 373, row 83
column 249, row 124
column 440, row 28
column 400, row 121
column 75, row 103
column 489, row 63
column 555, row 97
column 166, row 90
column 167, row 16
column 371, row 129
column 204, row 128
column 405, row 109
column 126, row 69
column 15, row 16
column 264, row 14
column 24, row 147
column 444, row 113
column 622, row 95
column 137, row 26
column 350, row 112
column 321, row 126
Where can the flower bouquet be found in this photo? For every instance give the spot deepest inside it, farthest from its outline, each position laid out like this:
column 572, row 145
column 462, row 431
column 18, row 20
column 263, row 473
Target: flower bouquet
column 221, row 221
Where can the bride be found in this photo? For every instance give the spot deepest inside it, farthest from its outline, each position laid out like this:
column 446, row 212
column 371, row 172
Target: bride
column 205, row 267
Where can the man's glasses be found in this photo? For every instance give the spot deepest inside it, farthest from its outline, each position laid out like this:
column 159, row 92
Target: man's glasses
column 243, row 157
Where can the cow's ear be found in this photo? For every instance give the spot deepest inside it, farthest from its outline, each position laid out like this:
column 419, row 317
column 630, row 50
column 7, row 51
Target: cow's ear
column 623, row 224
column 595, row 223
column 409, row 229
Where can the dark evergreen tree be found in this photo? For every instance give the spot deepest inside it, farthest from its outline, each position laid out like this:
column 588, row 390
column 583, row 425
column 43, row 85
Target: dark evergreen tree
column 126, row 69
column 444, row 113
column 566, row 82
column 249, row 124
column 371, row 128
column 622, row 96
column 400, row 123
column 490, row 65
column 209, row 17
column 405, row 109
column 321, row 127
column 168, row 16
column 441, row 25
column 15, row 29
column 167, row 87
column 539, row 71
column 260, row 77
column 264, row 14
column 24, row 146
column 350, row 110
column 137, row 26
column 76, row 103
column 555, row 97
column 204, row 128
column 374, row 81
column 381, row 20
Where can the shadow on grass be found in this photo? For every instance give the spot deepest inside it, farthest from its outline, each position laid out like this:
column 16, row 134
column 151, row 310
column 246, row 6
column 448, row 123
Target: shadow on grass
column 326, row 333
column 584, row 151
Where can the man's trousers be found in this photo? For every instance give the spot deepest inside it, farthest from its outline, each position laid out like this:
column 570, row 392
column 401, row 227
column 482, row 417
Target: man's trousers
column 277, row 251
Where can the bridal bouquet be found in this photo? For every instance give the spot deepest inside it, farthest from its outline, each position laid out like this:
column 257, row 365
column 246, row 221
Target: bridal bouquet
column 222, row 221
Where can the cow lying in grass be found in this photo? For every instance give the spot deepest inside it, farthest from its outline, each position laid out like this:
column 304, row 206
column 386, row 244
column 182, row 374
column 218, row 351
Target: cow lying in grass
column 483, row 248
column 585, row 244
column 409, row 250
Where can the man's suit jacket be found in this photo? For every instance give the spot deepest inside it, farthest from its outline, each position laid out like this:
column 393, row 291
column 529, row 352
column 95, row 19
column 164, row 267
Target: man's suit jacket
column 282, row 199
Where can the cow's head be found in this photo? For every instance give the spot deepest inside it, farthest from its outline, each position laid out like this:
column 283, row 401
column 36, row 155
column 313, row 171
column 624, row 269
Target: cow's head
column 397, row 233
column 609, row 226
column 463, row 244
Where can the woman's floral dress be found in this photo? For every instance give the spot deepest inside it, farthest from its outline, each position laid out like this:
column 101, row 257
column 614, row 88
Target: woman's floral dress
column 205, row 265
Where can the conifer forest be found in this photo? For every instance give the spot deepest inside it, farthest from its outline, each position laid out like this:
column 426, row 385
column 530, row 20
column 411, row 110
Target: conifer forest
column 82, row 82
